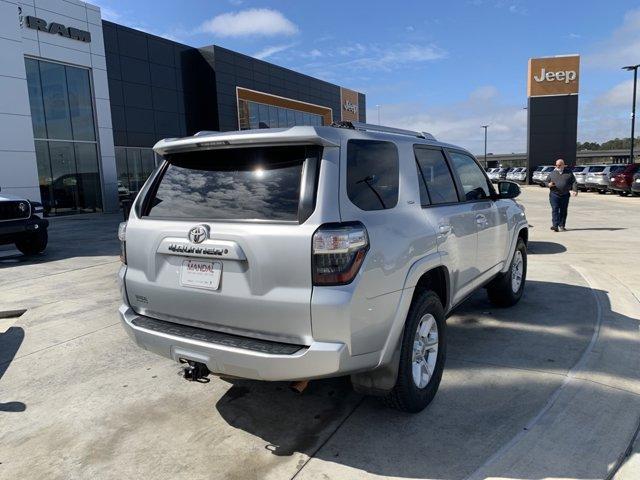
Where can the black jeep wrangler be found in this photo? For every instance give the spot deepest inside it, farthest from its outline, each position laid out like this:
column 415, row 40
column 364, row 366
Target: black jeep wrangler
column 21, row 223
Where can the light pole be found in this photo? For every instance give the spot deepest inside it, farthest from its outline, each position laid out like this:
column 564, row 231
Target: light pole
column 633, row 107
column 378, row 107
column 485, row 144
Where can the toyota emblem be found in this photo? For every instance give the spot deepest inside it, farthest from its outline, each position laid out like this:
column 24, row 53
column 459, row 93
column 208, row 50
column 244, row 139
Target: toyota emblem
column 199, row 233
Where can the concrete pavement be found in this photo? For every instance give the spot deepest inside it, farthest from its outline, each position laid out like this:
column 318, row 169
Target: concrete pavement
column 549, row 388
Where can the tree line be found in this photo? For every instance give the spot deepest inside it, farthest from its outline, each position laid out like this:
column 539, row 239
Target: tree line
column 615, row 144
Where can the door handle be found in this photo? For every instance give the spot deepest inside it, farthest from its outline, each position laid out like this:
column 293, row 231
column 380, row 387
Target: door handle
column 481, row 219
column 444, row 229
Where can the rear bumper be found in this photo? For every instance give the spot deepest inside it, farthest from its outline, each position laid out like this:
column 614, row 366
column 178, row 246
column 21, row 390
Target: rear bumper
column 599, row 186
column 620, row 188
column 318, row 360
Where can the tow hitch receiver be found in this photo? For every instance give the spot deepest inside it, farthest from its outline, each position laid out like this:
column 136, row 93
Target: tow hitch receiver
column 195, row 371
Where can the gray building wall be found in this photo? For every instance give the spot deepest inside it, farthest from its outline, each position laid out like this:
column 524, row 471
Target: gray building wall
column 18, row 167
column 157, row 87
column 234, row 69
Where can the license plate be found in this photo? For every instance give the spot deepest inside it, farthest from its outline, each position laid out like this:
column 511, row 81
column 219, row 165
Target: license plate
column 204, row 274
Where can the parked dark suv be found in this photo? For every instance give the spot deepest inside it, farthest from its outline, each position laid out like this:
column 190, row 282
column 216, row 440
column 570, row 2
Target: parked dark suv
column 621, row 182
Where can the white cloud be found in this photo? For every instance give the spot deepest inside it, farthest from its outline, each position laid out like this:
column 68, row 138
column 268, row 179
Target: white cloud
column 250, row 22
column 107, row 12
column 315, row 53
column 618, row 96
column 460, row 123
column 621, row 48
column 272, row 50
column 375, row 57
column 607, row 116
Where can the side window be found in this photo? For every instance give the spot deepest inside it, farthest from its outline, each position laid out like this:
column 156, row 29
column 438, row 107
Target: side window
column 372, row 174
column 436, row 175
column 474, row 183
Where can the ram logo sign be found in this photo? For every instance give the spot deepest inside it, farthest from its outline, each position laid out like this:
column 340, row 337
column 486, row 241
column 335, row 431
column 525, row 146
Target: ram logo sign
column 553, row 76
column 57, row 29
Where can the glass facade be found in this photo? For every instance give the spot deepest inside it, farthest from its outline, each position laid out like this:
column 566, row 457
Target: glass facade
column 134, row 165
column 259, row 115
column 65, row 137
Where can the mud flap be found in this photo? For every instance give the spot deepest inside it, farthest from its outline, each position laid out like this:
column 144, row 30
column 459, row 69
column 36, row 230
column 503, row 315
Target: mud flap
column 380, row 381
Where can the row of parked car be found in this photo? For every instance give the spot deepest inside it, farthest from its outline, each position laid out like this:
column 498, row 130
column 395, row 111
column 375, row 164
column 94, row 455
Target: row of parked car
column 623, row 179
column 516, row 174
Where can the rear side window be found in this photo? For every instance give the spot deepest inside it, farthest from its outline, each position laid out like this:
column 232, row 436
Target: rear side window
column 436, row 175
column 231, row 184
column 372, row 174
column 474, row 184
column 616, row 169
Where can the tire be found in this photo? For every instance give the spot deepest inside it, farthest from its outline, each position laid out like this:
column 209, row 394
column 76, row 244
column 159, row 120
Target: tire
column 622, row 194
column 602, row 192
column 33, row 243
column 407, row 395
column 501, row 290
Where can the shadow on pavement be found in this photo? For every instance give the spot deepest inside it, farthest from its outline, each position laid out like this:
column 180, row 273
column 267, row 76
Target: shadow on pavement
column 69, row 237
column 545, row 248
column 10, row 342
column 595, row 229
column 503, row 366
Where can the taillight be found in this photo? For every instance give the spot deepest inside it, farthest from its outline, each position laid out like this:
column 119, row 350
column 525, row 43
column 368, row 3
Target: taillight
column 338, row 253
column 122, row 236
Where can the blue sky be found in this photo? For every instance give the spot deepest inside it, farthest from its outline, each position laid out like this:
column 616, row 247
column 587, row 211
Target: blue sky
column 443, row 67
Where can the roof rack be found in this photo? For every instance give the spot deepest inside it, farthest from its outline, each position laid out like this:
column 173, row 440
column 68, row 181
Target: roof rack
column 204, row 132
column 368, row 127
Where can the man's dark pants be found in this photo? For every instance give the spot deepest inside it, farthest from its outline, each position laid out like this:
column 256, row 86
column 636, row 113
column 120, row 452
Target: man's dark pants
column 559, row 207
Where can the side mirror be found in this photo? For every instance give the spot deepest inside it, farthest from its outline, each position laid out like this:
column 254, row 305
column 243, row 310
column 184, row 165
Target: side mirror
column 508, row 189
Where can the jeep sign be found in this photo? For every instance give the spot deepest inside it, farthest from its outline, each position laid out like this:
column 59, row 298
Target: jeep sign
column 562, row 76
column 553, row 76
column 57, row 28
column 349, row 105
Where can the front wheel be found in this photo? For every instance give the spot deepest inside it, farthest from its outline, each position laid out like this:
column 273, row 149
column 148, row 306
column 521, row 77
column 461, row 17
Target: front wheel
column 422, row 355
column 506, row 290
column 33, row 243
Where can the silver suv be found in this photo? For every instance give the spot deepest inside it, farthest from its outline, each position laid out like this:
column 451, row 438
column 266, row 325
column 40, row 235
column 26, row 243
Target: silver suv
column 311, row 252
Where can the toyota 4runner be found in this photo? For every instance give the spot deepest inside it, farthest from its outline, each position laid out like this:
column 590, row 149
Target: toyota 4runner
column 311, row 252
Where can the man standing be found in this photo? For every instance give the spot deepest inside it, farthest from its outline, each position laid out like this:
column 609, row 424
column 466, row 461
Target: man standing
column 562, row 185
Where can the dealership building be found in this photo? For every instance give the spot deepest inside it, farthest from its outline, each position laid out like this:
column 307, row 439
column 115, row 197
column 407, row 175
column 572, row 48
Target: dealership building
column 83, row 100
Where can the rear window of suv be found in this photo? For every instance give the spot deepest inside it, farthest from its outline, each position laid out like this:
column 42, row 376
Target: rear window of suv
column 258, row 183
column 596, row 169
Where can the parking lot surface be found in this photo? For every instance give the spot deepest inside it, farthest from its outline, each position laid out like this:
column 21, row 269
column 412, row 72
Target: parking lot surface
column 549, row 388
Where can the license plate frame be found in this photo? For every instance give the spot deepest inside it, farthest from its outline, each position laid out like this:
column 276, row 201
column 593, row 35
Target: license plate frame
column 201, row 274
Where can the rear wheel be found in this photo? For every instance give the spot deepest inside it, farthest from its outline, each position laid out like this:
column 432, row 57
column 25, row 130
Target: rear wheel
column 602, row 192
column 33, row 243
column 422, row 355
column 622, row 194
column 506, row 290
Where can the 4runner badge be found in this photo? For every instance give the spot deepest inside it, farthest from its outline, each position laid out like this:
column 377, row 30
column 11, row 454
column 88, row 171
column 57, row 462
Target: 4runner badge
column 199, row 234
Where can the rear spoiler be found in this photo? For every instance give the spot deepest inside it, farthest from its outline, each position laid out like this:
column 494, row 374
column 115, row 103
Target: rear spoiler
column 270, row 136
